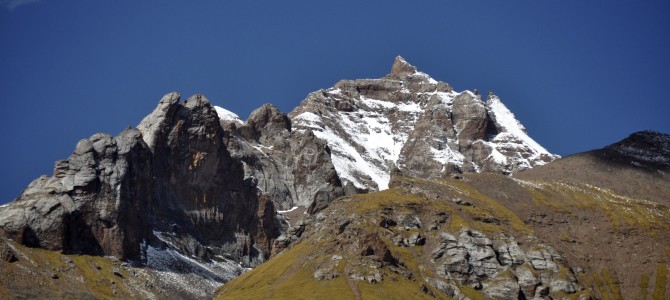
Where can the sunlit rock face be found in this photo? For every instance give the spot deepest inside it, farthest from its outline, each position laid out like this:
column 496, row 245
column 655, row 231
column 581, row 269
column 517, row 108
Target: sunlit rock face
column 409, row 121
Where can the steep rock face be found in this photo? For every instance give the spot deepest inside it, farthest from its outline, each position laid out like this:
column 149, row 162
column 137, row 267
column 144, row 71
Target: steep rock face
column 199, row 188
column 421, row 126
column 171, row 184
column 293, row 168
column 91, row 204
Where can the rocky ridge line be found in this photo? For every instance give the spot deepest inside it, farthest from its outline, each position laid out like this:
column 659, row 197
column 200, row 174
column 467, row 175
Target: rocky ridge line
column 408, row 120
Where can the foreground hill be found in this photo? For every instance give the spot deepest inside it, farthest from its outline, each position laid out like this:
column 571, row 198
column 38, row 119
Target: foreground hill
column 637, row 166
column 453, row 238
column 485, row 236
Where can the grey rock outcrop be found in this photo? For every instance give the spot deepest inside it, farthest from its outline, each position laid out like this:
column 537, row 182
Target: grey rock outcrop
column 293, row 167
column 500, row 267
column 201, row 187
column 118, row 195
column 92, row 204
column 421, row 126
column 7, row 254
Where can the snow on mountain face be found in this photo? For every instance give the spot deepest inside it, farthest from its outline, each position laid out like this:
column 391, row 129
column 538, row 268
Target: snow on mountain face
column 371, row 143
column 411, row 121
column 227, row 115
column 512, row 137
column 292, row 168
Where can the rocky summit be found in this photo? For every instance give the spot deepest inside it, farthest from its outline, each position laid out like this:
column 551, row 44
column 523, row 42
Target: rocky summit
column 390, row 188
column 409, row 121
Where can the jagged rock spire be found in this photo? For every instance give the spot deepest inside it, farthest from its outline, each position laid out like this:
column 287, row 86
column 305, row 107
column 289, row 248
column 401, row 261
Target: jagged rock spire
column 402, row 68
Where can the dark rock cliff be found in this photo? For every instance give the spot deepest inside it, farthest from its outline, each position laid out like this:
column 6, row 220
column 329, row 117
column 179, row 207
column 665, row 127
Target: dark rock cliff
column 92, row 204
column 172, row 174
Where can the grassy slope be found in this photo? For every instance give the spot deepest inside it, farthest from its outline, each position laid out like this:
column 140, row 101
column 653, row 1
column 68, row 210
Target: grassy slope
column 289, row 275
column 42, row 273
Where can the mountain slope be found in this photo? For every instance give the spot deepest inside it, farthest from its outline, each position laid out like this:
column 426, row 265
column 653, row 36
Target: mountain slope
column 488, row 236
column 421, row 126
column 641, row 160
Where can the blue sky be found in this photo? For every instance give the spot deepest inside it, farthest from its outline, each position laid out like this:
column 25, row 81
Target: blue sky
column 578, row 74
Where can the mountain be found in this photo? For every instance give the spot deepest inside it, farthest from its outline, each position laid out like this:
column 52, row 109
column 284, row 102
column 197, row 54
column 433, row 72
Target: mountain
column 421, row 126
column 390, row 187
column 166, row 195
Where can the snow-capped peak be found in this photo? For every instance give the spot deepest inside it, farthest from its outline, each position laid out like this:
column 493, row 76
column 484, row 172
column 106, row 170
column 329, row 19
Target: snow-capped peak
column 411, row 121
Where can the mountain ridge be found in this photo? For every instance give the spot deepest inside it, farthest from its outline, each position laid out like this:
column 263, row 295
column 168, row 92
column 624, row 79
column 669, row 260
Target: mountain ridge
column 423, row 126
column 194, row 196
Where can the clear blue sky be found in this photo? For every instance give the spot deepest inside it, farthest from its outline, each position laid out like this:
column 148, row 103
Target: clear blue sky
column 578, row 74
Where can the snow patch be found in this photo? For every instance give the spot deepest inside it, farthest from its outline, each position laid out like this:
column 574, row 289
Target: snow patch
column 334, row 91
column 347, row 161
column 410, row 107
column 497, row 157
column 446, row 155
column 286, row 211
column 426, row 76
column 511, row 128
column 262, row 148
column 227, row 115
column 308, row 117
column 372, row 103
column 372, row 144
column 366, row 143
column 380, row 104
column 447, row 98
column 197, row 278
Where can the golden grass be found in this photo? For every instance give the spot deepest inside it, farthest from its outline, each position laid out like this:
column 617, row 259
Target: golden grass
column 95, row 282
column 471, row 293
column 621, row 210
column 611, row 284
column 487, row 207
column 287, row 276
column 4, row 293
column 644, row 286
column 84, row 275
column 362, row 203
column 600, row 286
column 401, row 288
column 661, row 281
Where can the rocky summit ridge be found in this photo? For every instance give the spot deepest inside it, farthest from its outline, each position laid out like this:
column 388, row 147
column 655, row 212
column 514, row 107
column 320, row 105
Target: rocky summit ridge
column 409, row 121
